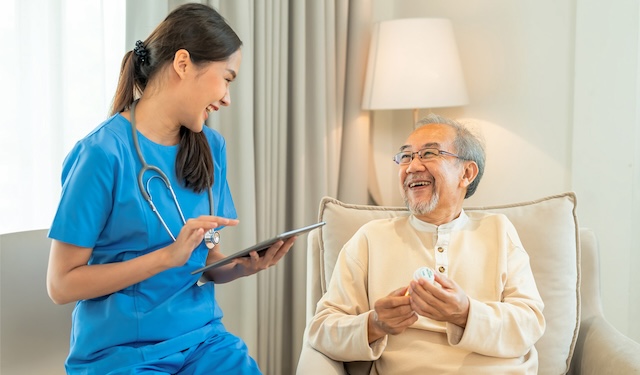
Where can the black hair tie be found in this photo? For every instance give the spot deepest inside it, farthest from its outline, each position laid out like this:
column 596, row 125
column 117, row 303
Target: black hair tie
column 141, row 52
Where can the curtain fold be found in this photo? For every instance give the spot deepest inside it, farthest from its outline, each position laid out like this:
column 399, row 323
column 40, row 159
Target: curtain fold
column 295, row 133
column 356, row 145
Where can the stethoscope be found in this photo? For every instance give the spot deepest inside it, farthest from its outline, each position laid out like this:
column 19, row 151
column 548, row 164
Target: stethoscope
column 211, row 237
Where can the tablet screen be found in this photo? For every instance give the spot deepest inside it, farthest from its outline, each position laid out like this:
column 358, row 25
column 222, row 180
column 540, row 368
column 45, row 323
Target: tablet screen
column 260, row 247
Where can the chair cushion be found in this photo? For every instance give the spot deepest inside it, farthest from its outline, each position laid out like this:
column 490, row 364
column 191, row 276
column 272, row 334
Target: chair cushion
column 548, row 229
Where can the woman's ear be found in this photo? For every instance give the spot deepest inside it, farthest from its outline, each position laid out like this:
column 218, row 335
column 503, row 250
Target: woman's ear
column 181, row 62
column 469, row 173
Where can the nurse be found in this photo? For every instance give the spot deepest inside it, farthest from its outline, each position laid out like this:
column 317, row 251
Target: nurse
column 128, row 268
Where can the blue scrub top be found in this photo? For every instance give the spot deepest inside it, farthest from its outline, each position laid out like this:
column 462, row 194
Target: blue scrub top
column 101, row 208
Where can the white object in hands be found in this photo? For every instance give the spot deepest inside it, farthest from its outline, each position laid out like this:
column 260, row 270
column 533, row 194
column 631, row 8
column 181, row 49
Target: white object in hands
column 424, row 273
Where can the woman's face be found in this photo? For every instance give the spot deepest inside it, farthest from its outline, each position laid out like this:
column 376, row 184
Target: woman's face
column 207, row 89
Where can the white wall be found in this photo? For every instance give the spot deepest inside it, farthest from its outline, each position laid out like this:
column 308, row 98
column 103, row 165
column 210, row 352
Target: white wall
column 606, row 147
column 553, row 87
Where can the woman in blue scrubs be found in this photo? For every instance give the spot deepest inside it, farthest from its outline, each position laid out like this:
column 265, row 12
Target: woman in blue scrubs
column 139, row 310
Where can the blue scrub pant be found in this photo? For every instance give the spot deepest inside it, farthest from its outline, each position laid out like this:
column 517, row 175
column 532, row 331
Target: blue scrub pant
column 221, row 354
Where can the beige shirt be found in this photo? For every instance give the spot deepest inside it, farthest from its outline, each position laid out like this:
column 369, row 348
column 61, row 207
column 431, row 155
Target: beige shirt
column 481, row 252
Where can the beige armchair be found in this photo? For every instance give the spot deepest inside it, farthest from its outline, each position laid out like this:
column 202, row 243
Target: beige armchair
column 578, row 339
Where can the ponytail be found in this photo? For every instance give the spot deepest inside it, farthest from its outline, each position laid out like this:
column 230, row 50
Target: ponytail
column 131, row 84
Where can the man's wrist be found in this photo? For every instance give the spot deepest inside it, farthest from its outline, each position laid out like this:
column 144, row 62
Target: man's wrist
column 374, row 329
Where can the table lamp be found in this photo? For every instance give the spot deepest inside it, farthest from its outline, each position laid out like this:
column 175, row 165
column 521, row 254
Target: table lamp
column 413, row 63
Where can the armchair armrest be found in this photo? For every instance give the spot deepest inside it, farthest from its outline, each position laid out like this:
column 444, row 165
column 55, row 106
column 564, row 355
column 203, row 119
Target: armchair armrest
column 601, row 349
column 313, row 362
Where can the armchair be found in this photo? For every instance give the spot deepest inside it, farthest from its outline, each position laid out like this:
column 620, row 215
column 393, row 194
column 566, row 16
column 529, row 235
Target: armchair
column 578, row 339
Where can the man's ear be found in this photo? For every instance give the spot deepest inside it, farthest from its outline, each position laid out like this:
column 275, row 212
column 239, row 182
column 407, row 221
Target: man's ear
column 469, row 173
column 181, row 62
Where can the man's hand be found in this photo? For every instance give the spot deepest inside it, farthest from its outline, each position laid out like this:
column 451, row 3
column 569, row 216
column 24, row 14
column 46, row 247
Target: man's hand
column 447, row 304
column 392, row 315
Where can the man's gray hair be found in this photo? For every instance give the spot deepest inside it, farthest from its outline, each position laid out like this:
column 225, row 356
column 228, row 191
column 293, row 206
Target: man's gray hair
column 467, row 145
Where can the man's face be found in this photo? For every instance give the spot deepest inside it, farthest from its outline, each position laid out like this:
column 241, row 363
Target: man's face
column 433, row 188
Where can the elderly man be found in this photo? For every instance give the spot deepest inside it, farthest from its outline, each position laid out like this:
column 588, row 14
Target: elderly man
column 483, row 313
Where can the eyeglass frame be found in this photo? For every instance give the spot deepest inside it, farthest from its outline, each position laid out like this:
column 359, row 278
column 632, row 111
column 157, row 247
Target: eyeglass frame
column 420, row 152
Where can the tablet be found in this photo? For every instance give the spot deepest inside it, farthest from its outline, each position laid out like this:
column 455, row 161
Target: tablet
column 260, row 247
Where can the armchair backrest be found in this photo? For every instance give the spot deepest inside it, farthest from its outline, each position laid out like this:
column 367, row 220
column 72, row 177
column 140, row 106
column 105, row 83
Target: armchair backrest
column 548, row 229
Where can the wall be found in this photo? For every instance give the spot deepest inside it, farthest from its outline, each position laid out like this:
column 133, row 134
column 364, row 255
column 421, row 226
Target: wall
column 552, row 88
column 606, row 146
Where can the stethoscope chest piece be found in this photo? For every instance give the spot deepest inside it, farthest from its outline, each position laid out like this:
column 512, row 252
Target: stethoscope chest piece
column 211, row 238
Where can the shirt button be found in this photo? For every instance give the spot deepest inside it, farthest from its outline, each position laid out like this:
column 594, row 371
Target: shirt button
column 440, row 249
column 441, row 269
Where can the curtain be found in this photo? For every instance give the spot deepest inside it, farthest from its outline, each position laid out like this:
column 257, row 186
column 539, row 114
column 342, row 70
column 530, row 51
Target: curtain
column 294, row 133
column 59, row 70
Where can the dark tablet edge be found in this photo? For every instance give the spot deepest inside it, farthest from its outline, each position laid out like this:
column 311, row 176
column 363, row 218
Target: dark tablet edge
column 260, row 246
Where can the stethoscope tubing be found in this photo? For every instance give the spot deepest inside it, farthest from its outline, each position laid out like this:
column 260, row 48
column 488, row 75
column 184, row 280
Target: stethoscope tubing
column 212, row 237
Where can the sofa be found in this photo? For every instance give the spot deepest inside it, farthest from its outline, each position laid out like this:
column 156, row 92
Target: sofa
column 34, row 332
column 578, row 339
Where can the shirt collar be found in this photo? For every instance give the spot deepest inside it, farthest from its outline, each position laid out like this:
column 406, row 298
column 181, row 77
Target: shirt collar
column 423, row 226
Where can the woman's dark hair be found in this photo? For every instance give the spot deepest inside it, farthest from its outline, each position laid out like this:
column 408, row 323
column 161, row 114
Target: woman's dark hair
column 203, row 32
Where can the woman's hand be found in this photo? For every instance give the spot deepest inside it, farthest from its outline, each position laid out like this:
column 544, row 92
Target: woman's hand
column 190, row 237
column 246, row 266
column 255, row 262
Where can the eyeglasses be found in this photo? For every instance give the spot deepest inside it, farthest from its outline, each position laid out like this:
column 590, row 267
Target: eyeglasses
column 405, row 157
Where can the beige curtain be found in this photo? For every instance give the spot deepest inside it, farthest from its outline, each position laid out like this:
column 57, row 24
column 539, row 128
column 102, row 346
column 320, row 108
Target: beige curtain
column 294, row 133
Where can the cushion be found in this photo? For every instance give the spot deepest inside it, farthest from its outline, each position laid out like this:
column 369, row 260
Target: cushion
column 548, row 229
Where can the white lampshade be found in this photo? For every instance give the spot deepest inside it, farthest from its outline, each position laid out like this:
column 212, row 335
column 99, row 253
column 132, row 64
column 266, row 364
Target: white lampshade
column 413, row 63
